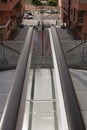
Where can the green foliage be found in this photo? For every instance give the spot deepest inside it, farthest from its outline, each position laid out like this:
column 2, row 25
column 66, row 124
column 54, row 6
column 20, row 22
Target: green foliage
column 36, row 2
column 51, row 3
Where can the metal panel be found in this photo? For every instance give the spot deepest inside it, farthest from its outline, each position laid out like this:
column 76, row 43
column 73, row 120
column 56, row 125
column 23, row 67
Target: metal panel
column 43, row 117
column 26, row 116
column 29, row 85
column 40, row 111
column 43, row 85
column 62, row 123
column 27, row 113
column 43, row 113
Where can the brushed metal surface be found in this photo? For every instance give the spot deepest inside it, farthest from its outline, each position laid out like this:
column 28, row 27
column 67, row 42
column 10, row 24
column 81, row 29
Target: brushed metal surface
column 43, row 88
column 42, row 112
column 43, row 109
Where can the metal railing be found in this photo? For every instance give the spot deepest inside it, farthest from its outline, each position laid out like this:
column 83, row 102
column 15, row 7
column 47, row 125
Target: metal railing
column 77, row 56
column 8, row 57
column 10, row 114
column 73, row 114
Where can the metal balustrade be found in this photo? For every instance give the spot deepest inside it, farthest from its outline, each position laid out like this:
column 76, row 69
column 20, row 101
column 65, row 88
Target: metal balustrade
column 10, row 113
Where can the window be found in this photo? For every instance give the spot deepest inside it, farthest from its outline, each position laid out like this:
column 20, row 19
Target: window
column 80, row 16
column 8, row 28
column 71, row 11
column 74, row 15
column 10, row 23
column 4, row 1
column 17, row 5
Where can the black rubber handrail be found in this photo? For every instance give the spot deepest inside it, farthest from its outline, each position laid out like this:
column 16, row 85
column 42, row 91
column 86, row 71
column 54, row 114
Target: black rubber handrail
column 9, row 117
column 74, row 116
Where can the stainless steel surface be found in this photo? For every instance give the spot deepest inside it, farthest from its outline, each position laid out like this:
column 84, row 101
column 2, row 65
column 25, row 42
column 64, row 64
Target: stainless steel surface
column 9, row 117
column 62, row 122
column 24, row 91
column 72, row 109
column 44, row 117
column 43, row 88
column 43, row 111
column 27, row 103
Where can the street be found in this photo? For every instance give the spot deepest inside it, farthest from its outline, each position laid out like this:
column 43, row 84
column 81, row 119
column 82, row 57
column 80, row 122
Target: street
column 45, row 17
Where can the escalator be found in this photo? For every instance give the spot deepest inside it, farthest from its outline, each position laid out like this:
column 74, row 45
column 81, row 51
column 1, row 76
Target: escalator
column 42, row 95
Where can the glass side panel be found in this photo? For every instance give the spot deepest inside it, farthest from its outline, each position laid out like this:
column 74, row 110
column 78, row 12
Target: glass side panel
column 77, row 56
column 8, row 57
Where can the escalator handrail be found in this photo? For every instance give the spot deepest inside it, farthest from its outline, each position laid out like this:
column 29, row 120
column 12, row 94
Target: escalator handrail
column 9, row 117
column 73, row 113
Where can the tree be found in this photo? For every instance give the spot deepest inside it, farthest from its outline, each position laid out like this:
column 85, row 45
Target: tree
column 51, row 3
column 36, row 2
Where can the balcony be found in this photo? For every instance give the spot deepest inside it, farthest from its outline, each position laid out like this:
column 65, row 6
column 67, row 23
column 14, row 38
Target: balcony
column 13, row 17
column 7, row 5
column 5, row 25
column 81, row 4
column 81, row 1
column 78, row 24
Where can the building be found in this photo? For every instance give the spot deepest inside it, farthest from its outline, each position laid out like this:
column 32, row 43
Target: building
column 11, row 13
column 74, row 13
column 60, row 8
